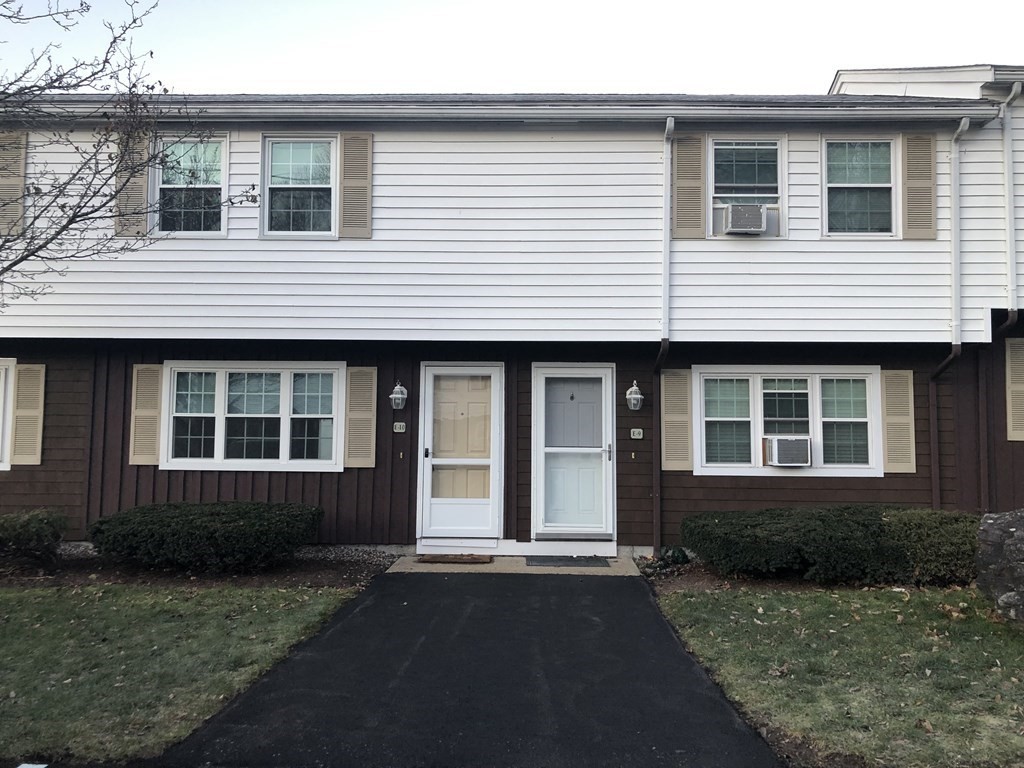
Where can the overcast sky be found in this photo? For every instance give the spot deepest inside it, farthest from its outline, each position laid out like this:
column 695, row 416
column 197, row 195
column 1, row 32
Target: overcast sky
column 584, row 46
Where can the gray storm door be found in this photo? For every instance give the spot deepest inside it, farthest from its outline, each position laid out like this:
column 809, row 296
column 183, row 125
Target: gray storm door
column 574, row 457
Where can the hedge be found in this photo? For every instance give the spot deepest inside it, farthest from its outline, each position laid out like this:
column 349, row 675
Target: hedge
column 220, row 537
column 34, row 534
column 853, row 543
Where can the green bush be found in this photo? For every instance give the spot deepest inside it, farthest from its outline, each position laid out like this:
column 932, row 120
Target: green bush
column 855, row 543
column 224, row 536
column 34, row 534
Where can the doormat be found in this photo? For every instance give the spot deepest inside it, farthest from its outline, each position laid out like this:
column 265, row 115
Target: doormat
column 568, row 562
column 456, row 559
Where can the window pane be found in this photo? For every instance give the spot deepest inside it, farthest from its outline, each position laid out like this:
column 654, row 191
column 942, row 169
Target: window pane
column 844, row 399
column 300, row 163
column 746, row 168
column 313, row 393
column 785, row 413
column 726, row 398
column 312, row 438
column 191, row 164
column 193, row 437
column 845, row 442
column 190, row 210
column 859, row 162
column 254, row 393
column 860, row 210
column 195, row 392
column 300, row 210
column 727, row 442
column 249, row 438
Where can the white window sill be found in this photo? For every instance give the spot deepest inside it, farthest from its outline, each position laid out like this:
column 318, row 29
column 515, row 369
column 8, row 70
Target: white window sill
column 251, row 466
column 736, row 470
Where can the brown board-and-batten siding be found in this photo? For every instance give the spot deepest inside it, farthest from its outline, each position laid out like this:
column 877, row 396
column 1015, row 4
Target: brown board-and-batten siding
column 685, row 494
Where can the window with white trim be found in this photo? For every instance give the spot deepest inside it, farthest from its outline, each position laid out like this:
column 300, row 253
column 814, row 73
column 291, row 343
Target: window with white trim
column 860, row 187
column 250, row 416
column 299, row 186
column 745, row 172
column 7, row 367
column 190, row 194
column 740, row 409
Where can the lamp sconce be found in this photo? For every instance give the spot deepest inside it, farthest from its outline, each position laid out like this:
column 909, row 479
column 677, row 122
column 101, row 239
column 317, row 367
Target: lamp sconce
column 398, row 396
column 634, row 397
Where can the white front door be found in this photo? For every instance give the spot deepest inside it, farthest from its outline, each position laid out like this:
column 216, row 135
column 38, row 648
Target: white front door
column 461, row 451
column 574, row 453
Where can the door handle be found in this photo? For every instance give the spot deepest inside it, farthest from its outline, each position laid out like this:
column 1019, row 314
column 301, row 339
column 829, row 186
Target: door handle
column 608, row 450
column 426, row 453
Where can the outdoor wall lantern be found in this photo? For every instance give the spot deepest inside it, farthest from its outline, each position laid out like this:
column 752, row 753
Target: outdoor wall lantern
column 634, row 398
column 398, row 396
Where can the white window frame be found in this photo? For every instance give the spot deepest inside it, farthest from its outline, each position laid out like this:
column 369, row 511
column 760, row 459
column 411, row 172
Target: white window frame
column 896, row 164
column 8, row 366
column 156, row 184
column 270, row 139
column 781, row 144
column 282, row 464
column 814, row 375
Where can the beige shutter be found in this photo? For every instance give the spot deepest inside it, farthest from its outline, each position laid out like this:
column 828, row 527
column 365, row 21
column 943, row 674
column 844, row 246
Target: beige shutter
column 132, row 207
column 356, row 185
column 13, row 146
column 898, row 448
column 676, row 420
column 688, row 209
column 919, row 188
column 29, row 395
column 361, row 417
column 1015, row 389
column 144, row 441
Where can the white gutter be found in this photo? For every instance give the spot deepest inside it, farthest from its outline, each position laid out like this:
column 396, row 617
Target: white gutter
column 954, row 235
column 666, row 227
column 1011, row 232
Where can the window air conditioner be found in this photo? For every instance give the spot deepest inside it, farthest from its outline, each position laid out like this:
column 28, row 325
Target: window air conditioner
column 746, row 219
column 788, row 451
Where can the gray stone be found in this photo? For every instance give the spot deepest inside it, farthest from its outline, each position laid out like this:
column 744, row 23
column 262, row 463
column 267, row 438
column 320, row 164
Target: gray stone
column 1000, row 562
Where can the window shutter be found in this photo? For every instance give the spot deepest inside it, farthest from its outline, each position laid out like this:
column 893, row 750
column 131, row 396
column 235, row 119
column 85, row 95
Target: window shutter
column 131, row 208
column 688, row 211
column 1015, row 389
column 356, row 185
column 144, row 442
column 919, row 188
column 361, row 417
column 29, row 395
column 898, row 448
column 13, row 148
column 676, row 421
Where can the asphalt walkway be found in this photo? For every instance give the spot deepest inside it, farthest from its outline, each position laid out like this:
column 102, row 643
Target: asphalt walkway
column 483, row 671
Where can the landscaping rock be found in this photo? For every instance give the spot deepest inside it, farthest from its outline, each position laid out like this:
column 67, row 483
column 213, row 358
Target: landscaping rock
column 1001, row 562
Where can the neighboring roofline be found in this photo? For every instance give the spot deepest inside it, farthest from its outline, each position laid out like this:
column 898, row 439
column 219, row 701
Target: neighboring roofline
column 544, row 108
column 994, row 73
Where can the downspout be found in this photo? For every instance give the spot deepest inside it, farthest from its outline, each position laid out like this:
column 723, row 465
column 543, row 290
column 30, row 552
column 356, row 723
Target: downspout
column 1011, row 230
column 955, row 311
column 666, row 274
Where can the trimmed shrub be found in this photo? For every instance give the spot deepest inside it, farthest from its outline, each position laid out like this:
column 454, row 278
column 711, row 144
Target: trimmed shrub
column 221, row 537
column 34, row 534
column 856, row 543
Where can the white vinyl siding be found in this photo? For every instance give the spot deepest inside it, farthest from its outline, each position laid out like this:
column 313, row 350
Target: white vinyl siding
column 488, row 234
column 813, row 288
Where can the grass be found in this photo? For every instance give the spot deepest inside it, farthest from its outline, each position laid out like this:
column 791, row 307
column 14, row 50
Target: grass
column 913, row 679
column 115, row 671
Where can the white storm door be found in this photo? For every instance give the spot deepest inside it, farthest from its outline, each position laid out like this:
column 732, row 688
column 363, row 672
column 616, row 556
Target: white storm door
column 574, row 472
column 462, row 490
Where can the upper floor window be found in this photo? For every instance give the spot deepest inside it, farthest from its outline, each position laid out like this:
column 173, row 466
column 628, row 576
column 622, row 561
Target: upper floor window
column 859, row 187
column 300, row 186
column 191, row 189
column 745, row 173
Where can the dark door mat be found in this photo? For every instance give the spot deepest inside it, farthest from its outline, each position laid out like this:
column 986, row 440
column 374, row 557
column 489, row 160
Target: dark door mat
column 456, row 559
column 568, row 562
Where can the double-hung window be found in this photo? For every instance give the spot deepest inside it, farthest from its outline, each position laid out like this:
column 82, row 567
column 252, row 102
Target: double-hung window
column 191, row 186
column 300, row 186
column 745, row 173
column 859, row 187
column 285, row 416
column 741, row 409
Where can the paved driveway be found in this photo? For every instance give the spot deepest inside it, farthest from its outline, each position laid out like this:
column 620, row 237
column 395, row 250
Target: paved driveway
column 484, row 670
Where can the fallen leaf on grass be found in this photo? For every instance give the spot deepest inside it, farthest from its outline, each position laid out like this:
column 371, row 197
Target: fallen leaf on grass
column 925, row 726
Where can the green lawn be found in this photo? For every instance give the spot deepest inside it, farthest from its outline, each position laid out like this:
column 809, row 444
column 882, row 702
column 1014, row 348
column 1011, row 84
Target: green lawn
column 117, row 671
column 913, row 679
